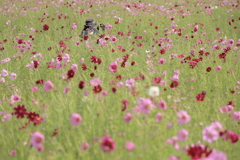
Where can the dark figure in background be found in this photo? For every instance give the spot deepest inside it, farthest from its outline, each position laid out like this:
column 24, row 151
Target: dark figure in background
column 89, row 28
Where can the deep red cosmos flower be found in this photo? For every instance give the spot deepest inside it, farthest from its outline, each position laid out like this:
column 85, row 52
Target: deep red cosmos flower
column 200, row 98
column 81, row 84
column 70, row 73
column 208, row 69
column 84, row 67
column 45, row 27
column 20, row 111
column 174, row 84
column 41, row 81
column 197, row 152
column 32, row 116
column 229, row 135
column 97, row 89
column 125, row 105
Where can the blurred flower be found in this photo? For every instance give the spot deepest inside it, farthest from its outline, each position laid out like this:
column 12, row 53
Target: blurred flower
column 129, row 145
column 158, row 117
column 95, row 81
column 236, row 116
column 209, row 134
column 107, row 144
column 183, row 117
column 128, row 117
column 4, row 73
column 15, row 98
column 13, row 76
column 183, row 135
column 153, row 91
column 85, row 146
column 48, row 86
column 162, row 105
column 37, row 139
column 218, row 68
column 75, row 119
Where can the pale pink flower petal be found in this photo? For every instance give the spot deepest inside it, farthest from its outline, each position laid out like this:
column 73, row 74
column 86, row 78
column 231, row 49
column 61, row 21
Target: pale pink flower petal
column 75, row 119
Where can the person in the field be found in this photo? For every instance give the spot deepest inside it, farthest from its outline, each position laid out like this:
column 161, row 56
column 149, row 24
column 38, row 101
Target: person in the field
column 89, row 28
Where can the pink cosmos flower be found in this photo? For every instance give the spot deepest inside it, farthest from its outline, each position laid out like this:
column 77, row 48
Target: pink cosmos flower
column 48, row 86
column 37, row 139
column 161, row 61
column 6, row 117
column 120, row 84
column 130, row 83
column 74, row 67
column 104, row 93
column 130, row 145
column 95, row 81
column 174, row 142
column 2, row 80
column 8, row 22
column 236, row 116
column 15, row 98
column 85, row 146
column 113, row 67
column 158, row 117
column 34, row 89
column 75, row 119
column 107, row 144
column 128, row 117
column 81, row 60
column 77, row 43
column 13, row 76
column 183, row 135
column 145, row 105
column 217, row 126
column 191, row 79
column 66, row 89
column 227, row 109
column 218, row 68
column 209, row 134
column 4, row 73
column 108, row 26
column 215, row 155
column 162, row 105
column 173, row 158
column 183, row 117
column 13, row 152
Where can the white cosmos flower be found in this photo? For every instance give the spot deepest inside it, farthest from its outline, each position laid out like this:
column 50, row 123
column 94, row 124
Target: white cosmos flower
column 154, row 91
column 147, row 51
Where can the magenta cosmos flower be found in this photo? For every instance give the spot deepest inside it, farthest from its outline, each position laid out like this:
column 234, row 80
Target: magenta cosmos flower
column 37, row 139
column 113, row 67
column 48, row 86
column 107, row 144
column 75, row 119
column 183, row 117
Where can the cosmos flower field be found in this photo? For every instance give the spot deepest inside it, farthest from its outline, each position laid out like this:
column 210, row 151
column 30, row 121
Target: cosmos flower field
column 161, row 81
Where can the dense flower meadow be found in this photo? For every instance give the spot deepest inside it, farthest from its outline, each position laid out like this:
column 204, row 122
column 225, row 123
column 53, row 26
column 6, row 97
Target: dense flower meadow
column 160, row 81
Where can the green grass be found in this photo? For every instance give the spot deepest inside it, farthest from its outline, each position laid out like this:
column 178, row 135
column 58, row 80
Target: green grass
column 103, row 115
